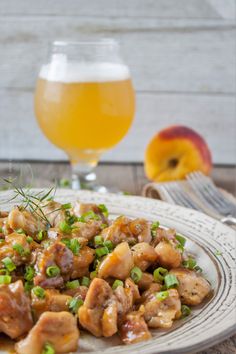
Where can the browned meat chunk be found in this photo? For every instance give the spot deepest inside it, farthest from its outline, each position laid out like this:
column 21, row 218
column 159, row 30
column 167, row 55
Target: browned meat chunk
column 168, row 255
column 98, row 314
column 24, row 220
column 81, row 262
column 134, row 328
column 15, row 312
column 161, row 313
column 53, row 301
column 144, row 255
column 192, row 287
column 163, row 235
column 118, row 263
column 56, row 255
column 54, row 213
column 126, row 297
column 146, row 280
column 141, row 229
column 57, row 328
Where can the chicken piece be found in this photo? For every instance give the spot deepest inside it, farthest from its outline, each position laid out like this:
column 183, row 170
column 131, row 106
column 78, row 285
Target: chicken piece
column 19, row 256
column 146, row 280
column 98, row 314
column 87, row 229
column 168, row 255
column 163, row 235
column 24, row 220
column 53, row 301
column 192, row 288
column 55, row 255
column 126, row 297
column 119, row 231
column 134, row 328
column 54, row 212
column 4, row 214
column 81, row 262
column 118, row 263
column 79, row 292
column 15, row 312
column 144, row 255
column 148, row 294
column 57, row 328
column 141, row 229
column 84, row 208
column 162, row 313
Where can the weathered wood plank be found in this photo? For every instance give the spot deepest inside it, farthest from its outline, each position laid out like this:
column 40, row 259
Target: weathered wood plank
column 131, row 8
column 212, row 116
column 164, row 55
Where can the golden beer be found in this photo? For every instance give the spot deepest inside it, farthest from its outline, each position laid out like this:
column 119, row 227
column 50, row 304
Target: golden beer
column 84, row 107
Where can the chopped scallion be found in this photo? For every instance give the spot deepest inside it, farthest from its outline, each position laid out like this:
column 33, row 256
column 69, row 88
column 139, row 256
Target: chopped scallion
column 42, row 235
column 154, row 228
column 185, row 310
column 136, row 274
column 5, row 279
column 48, row 349
column 39, row 292
column 52, row 271
column 9, row 264
column 66, row 206
column 74, row 304
column 102, row 251
column 65, row 227
column 171, row 281
column 162, row 295
column 98, row 240
column 29, row 273
column 159, row 274
column 117, row 283
column 29, row 239
column 74, row 284
column 181, row 239
column 85, row 281
column 103, row 209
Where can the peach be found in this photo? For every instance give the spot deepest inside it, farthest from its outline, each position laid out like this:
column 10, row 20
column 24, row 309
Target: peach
column 174, row 152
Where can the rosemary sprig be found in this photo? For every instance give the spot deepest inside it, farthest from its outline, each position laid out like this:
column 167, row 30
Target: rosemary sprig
column 30, row 200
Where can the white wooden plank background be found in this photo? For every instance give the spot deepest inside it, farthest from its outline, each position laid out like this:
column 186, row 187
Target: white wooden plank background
column 182, row 56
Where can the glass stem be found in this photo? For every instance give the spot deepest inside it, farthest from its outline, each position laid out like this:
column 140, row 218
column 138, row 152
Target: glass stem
column 83, row 177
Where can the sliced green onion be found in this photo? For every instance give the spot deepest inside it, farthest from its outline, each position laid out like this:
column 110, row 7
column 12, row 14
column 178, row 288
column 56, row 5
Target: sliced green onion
column 5, row 279
column 136, row 274
column 66, row 206
column 4, row 271
column 198, row 269
column 29, row 273
column 75, row 246
column 66, row 242
column 18, row 248
column 1, row 230
column 48, row 349
column 93, row 274
column 20, row 231
column 103, row 226
column 41, row 235
column 9, row 264
column 71, row 219
column 74, row 284
column 85, row 281
column 181, row 239
column 2, row 240
column 102, row 251
column 39, row 292
column 154, row 228
column 185, row 311
column 171, row 281
column 28, row 286
column 90, row 215
column 98, row 240
column 65, row 227
column 52, row 271
column 117, row 283
column 159, row 274
column 103, row 209
column 190, row 263
column 29, row 239
column 74, row 305
column 162, row 295
column 109, row 245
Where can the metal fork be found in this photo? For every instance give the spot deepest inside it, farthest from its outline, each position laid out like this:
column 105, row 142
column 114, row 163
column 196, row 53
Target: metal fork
column 210, row 195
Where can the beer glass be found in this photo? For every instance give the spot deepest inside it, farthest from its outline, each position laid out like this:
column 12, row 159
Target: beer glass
column 84, row 103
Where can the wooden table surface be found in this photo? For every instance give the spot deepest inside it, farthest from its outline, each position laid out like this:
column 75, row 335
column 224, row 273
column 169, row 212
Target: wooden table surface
column 126, row 177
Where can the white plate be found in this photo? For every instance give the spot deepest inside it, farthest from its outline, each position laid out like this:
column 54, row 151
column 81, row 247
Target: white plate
column 208, row 324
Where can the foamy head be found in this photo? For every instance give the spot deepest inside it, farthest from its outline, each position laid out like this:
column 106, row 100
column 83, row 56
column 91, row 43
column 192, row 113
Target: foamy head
column 60, row 70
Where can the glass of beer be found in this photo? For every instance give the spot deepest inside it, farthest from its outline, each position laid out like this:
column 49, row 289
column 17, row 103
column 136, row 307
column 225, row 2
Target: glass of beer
column 84, row 103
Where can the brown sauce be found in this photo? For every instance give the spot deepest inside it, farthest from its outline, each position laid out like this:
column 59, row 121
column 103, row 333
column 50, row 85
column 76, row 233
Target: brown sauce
column 7, row 344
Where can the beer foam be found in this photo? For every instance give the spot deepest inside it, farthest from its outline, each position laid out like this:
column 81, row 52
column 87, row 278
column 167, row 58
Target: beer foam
column 69, row 72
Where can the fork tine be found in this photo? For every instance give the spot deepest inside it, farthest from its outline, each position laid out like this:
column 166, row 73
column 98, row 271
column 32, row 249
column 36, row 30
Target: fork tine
column 210, row 187
column 179, row 196
column 205, row 189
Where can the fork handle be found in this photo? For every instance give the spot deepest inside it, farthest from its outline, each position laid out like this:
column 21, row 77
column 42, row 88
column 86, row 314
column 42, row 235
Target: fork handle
column 229, row 220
